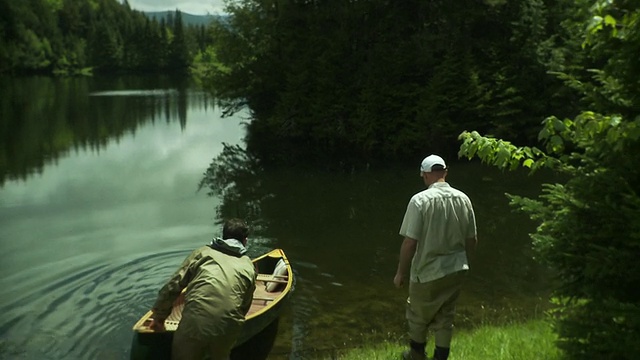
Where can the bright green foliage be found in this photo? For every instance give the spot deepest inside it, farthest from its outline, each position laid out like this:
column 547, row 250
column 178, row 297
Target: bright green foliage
column 500, row 153
column 589, row 230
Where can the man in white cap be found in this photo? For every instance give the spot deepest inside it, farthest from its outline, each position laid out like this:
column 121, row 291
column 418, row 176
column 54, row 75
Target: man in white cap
column 439, row 230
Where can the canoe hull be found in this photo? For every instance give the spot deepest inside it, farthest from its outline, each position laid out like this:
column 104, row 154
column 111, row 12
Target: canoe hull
column 158, row 346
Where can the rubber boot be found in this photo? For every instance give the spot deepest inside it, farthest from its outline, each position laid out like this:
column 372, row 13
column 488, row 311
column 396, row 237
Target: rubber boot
column 415, row 352
column 441, row 353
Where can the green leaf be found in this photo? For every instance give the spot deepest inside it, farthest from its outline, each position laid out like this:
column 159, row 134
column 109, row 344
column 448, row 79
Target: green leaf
column 527, row 163
column 610, row 21
column 558, row 125
column 595, row 24
column 556, row 142
column 543, row 134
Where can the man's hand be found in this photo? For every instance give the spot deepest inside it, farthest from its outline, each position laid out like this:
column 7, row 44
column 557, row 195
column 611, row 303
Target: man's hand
column 407, row 250
column 398, row 281
column 157, row 323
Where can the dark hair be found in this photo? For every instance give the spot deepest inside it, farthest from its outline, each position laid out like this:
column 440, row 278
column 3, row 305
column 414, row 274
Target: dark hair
column 438, row 167
column 235, row 229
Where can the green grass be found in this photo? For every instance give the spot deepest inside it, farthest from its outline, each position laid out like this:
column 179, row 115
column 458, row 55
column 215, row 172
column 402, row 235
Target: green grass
column 532, row 340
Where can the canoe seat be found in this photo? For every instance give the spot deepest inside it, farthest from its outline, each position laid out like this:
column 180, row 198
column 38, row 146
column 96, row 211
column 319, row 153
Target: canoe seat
column 280, row 272
column 271, row 278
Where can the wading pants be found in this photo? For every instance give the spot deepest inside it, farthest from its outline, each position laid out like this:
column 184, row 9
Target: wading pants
column 431, row 306
column 187, row 348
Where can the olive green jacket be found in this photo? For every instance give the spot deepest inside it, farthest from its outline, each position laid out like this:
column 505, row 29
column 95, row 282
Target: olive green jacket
column 220, row 281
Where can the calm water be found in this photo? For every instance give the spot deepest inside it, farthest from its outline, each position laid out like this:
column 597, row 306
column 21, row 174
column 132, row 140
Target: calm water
column 99, row 205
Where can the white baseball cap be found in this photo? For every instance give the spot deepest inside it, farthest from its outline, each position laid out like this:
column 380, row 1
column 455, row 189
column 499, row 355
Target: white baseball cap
column 430, row 161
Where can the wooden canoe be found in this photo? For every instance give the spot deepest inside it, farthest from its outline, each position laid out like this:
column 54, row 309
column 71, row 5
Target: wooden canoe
column 260, row 321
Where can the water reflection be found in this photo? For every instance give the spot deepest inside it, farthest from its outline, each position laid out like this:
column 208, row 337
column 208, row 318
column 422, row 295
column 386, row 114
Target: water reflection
column 129, row 93
column 44, row 119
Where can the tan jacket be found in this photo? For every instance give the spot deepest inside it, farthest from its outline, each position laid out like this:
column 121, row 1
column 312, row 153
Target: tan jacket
column 220, row 288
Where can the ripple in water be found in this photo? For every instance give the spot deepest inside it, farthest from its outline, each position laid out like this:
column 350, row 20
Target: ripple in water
column 87, row 315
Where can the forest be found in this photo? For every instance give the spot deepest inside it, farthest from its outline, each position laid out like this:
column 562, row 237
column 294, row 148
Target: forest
column 370, row 82
column 70, row 37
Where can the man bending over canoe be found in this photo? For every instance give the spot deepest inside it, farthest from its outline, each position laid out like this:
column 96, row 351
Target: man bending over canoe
column 220, row 281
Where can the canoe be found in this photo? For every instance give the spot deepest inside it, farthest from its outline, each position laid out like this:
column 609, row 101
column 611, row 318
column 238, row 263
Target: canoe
column 274, row 285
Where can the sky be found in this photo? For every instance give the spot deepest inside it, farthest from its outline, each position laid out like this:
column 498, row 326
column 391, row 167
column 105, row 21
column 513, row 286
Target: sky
column 195, row 7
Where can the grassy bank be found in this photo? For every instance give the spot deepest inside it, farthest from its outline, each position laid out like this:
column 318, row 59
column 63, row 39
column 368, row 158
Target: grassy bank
column 533, row 340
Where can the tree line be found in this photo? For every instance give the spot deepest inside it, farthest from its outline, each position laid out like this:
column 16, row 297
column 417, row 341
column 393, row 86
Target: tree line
column 72, row 36
column 376, row 81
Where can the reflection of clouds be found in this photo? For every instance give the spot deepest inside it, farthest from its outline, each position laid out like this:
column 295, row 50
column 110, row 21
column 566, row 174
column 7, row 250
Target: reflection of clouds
column 157, row 161
column 151, row 92
column 137, row 194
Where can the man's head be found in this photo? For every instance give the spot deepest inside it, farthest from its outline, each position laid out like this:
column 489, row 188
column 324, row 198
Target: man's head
column 235, row 229
column 433, row 169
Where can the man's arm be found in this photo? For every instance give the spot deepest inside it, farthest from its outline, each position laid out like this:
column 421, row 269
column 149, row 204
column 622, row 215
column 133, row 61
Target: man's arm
column 164, row 303
column 407, row 250
column 470, row 247
column 472, row 240
column 172, row 289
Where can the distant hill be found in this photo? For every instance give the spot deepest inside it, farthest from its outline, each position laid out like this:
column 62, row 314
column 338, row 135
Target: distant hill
column 187, row 19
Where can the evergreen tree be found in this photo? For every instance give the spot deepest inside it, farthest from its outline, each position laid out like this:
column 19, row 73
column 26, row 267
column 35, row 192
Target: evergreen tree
column 107, row 48
column 179, row 58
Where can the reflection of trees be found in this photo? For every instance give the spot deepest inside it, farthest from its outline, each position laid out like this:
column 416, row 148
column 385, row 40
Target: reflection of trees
column 44, row 118
column 235, row 177
column 315, row 205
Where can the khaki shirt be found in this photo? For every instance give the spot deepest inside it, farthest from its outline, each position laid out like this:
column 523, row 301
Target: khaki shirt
column 219, row 293
column 440, row 218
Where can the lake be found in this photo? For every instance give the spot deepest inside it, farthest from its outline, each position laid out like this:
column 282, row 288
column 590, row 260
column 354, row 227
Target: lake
column 99, row 204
